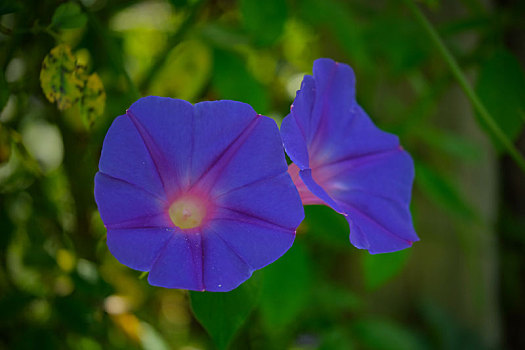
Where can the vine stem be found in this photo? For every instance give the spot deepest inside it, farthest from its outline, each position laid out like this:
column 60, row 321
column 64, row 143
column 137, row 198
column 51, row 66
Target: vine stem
column 465, row 86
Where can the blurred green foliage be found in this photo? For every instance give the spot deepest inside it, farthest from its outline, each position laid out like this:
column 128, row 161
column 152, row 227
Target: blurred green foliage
column 501, row 85
column 69, row 15
column 222, row 314
column 60, row 288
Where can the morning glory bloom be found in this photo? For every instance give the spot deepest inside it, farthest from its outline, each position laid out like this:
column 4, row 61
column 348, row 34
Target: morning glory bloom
column 198, row 195
column 341, row 159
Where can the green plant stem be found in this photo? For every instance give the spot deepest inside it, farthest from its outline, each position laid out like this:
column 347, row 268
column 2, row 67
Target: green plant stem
column 51, row 32
column 465, row 86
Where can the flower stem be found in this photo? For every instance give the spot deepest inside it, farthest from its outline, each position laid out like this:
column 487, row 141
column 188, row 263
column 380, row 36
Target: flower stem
column 465, row 86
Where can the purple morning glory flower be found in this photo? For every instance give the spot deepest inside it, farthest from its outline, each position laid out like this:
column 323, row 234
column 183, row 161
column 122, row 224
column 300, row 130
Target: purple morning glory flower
column 343, row 160
column 199, row 195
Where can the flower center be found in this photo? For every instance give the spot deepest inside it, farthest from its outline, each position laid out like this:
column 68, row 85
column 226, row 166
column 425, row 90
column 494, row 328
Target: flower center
column 187, row 212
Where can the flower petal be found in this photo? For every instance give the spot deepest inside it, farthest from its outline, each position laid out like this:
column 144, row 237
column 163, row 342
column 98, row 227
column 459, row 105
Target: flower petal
column 221, row 128
column 248, row 164
column 293, row 129
column 313, row 186
column 125, row 156
column 138, row 248
column 274, row 200
column 124, row 205
column 350, row 136
column 334, row 95
column 223, row 268
column 219, row 153
column 379, row 225
column 377, row 201
column 349, row 163
column 387, row 174
column 307, row 196
column 256, row 243
column 166, row 127
column 179, row 263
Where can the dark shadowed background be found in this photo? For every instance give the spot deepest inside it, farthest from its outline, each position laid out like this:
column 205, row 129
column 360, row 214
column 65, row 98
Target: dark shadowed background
column 461, row 287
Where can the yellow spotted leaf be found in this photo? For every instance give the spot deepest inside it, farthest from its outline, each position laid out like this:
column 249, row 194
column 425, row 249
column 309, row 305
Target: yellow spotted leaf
column 93, row 99
column 59, row 77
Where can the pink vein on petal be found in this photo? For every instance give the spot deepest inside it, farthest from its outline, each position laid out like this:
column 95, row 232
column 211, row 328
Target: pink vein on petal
column 248, row 218
column 133, row 185
column 138, row 222
column 266, row 178
column 161, row 251
column 155, row 153
column 195, row 246
column 221, row 162
column 359, row 159
column 374, row 222
column 233, row 250
column 319, row 129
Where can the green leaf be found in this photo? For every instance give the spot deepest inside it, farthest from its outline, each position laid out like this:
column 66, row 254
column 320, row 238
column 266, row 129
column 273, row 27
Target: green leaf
column 12, row 306
column 334, row 299
column 219, row 35
column 68, row 16
column 93, row 100
column 264, row 20
column 501, row 88
column 336, row 339
column 432, row 4
column 397, row 42
column 382, row 334
column 232, row 81
column 59, row 77
column 72, row 311
column 179, row 3
column 446, row 331
column 4, row 91
column 186, row 71
column 223, row 314
column 300, row 44
column 9, row 6
column 443, row 192
column 286, row 288
column 380, row 268
column 325, row 225
column 449, row 143
column 344, row 27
